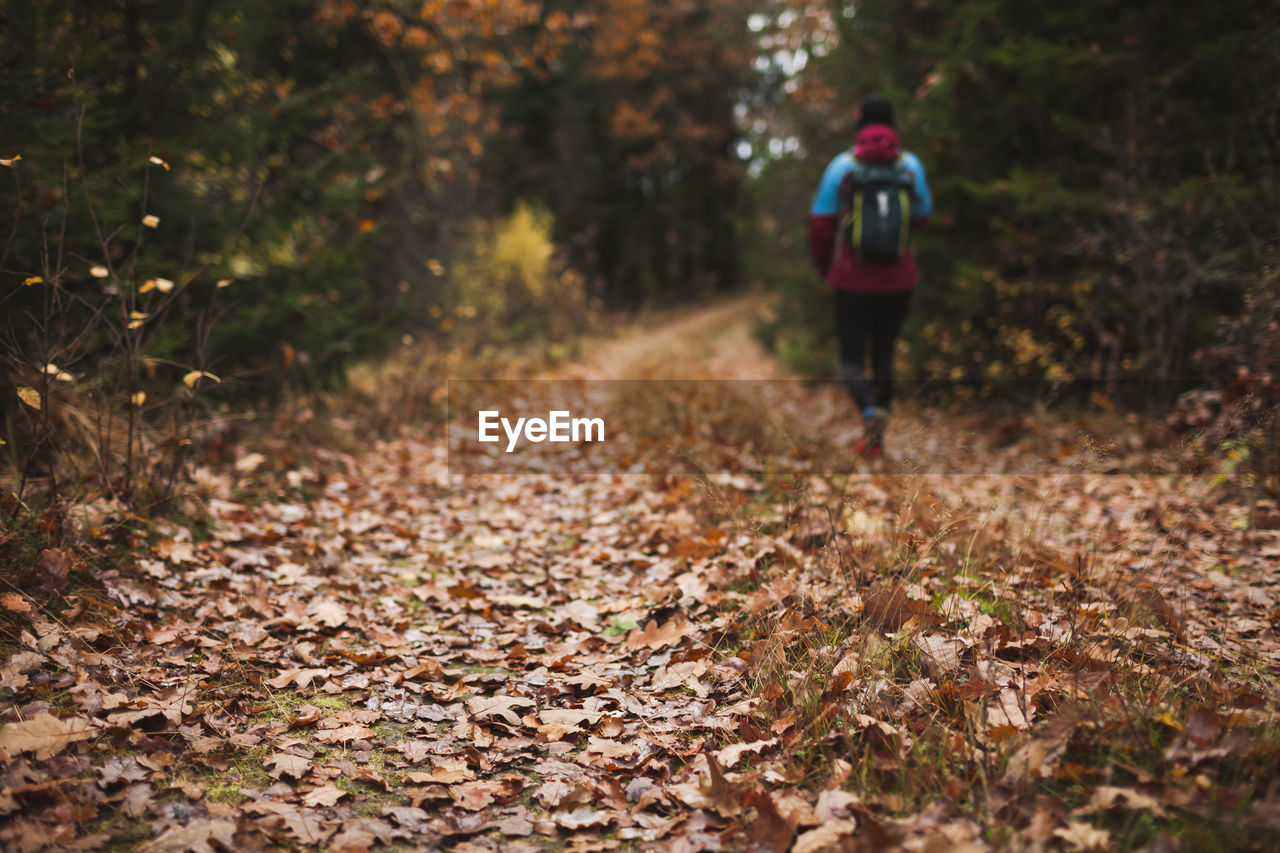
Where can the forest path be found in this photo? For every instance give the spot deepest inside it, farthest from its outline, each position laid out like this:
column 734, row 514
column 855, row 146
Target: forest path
column 391, row 654
column 712, row 342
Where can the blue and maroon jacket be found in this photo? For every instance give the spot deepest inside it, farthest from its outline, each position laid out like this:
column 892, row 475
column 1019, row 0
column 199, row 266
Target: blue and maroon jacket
column 836, row 262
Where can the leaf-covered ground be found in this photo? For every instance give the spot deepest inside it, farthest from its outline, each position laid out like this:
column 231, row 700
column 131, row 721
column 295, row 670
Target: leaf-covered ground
column 365, row 652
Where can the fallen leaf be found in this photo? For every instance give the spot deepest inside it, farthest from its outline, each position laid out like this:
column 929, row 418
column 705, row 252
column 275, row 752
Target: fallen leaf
column 828, row 836
column 13, row 674
column 444, row 770
column 284, row 764
column 360, row 835
column 569, row 716
column 477, row 795
column 769, row 832
column 1107, row 797
column 1039, row 755
column 328, row 612
column 684, row 674
column 416, row 751
column 940, row 655
column 195, row 836
column 581, row 818
column 325, row 795
column 298, row 676
column 307, row 825
column 120, row 769
column 711, row 791
column 344, row 734
column 1083, row 836
column 562, row 790
column 249, row 463
column 305, row 715
column 16, row 603
column 487, row 707
column 611, row 749
column 54, row 567
column 732, row 754
column 836, row 805
column 655, row 636
column 1007, row 710
column 44, row 734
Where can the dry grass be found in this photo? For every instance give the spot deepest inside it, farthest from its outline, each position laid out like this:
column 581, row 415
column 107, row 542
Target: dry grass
column 996, row 646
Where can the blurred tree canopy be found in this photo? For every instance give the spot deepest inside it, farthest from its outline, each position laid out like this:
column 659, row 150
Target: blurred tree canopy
column 330, row 158
column 628, row 137
column 1105, row 172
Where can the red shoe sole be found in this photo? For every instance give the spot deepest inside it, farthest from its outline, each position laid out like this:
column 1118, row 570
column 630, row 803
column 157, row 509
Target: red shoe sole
column 867, row 452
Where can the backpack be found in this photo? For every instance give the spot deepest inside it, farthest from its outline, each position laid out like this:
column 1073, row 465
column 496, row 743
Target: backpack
column 876, row 203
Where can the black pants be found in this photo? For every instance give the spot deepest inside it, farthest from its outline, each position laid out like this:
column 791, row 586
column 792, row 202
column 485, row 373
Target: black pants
column 875, row 319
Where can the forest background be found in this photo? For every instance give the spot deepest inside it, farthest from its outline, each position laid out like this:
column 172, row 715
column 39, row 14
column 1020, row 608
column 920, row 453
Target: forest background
column 212, row 201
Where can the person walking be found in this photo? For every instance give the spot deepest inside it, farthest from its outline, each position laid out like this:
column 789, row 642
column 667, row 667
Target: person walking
column 869, row 199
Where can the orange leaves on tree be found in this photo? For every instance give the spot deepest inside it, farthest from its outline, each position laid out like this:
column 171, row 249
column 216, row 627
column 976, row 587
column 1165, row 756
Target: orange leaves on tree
column 387, row 26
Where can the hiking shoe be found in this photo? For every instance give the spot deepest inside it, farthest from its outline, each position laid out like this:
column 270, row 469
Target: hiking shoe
column 874, row 421
column 868, row 450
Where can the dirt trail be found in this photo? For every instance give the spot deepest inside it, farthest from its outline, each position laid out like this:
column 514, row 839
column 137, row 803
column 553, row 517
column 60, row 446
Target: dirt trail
column 716, row 342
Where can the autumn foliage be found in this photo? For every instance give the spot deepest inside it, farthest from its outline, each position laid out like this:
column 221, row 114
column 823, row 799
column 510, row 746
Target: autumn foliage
column 252, row 599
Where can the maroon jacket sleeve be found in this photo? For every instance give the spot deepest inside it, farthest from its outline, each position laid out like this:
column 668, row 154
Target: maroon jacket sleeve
column 822, row 241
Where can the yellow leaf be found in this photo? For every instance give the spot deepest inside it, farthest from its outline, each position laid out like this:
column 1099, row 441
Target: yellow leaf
column 164, row 285
column 191, row 378
column 14, row 159
column 29, row 395
column 137, row 315
column 99, row 271
column 138, row 398
column 58, row 373
column 150, row 220
column 158, row 162
column 224, row 282
column 147, row 286
column 35, row 279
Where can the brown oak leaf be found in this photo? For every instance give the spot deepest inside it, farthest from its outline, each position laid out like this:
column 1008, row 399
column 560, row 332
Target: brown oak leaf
column 44, row 734
column 486, row 707
column 655, row 636
column 325, row 795
column 297, row 675
column 194, row 836
column 284, row 764
column 344, row 734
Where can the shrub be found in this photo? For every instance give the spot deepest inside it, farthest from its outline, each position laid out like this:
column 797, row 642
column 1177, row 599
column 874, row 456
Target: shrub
column 509, row 282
